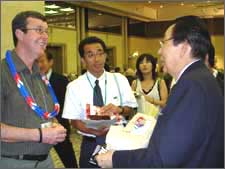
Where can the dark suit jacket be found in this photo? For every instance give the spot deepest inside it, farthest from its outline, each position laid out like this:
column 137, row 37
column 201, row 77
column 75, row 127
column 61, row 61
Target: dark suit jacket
column 190, row 133
column 59, row 83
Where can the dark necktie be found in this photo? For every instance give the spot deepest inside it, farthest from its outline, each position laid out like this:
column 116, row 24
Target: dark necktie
column 97, row 99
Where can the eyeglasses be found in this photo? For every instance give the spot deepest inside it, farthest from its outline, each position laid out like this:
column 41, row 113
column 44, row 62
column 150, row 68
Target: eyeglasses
column 98, row 53
column 162, row 42
column 38, row 30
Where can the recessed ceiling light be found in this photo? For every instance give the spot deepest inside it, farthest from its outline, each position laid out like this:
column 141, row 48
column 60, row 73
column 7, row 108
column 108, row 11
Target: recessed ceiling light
column 53, row 6
column 149, row 2
column 161, row 6
column 99, row 14
column 182, row 4
column 67, row 9
column 51, row 12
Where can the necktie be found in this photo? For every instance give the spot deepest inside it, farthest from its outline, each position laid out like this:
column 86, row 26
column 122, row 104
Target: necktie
column 97, row 99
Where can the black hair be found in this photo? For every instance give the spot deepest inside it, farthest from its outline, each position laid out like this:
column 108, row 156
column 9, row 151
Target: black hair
column 117, row 69
column 211, row 55
column 20, row 22
column 49, row 56
column 150, row 58
column 193, row 30
column 90, row 40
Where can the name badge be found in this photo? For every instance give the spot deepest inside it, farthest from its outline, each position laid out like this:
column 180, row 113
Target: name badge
column 46, row 124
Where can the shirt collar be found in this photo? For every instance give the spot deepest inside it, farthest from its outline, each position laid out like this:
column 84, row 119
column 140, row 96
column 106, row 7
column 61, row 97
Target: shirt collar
column 182, row 71
column 49, row 73
column 214, row 72
column 92, row 78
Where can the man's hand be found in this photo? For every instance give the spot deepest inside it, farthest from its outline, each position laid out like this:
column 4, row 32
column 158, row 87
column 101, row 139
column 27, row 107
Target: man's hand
column 54, row 134
column 110, row 110
column 101, row 131
column 105, row 159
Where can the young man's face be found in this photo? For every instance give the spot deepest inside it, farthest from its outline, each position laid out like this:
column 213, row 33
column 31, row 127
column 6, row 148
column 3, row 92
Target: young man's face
column 35, row 39
column 94, row 58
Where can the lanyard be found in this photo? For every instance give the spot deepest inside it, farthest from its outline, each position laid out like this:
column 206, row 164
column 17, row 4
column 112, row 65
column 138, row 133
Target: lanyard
column 44, row 114
column 93, row 87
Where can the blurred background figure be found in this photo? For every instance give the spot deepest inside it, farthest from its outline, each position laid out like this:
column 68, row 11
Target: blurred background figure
column 130, row 74
column 59, row 83
column 151, row 91
column 117, row 70
column 210, row 63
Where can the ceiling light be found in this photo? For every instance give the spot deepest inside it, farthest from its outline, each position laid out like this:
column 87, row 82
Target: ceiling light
column 51, row 12
column 99, row 14
column 67, row 9
column 182, row 4
column 149, row 2
column 161, row 6
column 53, row 6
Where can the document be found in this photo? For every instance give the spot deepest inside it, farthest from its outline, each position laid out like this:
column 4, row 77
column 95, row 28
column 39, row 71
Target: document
column 96, row 124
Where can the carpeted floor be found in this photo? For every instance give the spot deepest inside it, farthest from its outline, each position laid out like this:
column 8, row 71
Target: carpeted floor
column 76, row 140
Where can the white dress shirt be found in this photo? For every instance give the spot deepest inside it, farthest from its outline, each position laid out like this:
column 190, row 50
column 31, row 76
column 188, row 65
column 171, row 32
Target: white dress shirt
column 79, row 93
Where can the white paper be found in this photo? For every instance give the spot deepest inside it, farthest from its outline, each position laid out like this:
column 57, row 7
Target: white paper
column 96, row 124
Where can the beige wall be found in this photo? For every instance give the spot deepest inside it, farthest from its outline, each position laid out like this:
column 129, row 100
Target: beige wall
column 8, row 10
column 218, row 42
column 67, row 38
column 111, row 40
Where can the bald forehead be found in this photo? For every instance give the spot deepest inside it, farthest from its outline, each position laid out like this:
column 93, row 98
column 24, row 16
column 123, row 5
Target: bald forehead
column 169, row 31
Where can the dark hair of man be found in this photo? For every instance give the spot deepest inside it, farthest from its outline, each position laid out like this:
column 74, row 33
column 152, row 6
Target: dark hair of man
column 193, row 30
column 49, row 56
column 149, row 58
column 90, row 40
column 211, row 55
column 20, row 22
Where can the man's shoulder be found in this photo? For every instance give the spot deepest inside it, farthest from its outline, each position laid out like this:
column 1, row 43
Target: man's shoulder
column 78, row 81
column 58, row 77
column 116, row 75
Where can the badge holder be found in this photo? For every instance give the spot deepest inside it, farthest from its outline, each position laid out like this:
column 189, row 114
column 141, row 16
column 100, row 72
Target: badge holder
column 46, row 124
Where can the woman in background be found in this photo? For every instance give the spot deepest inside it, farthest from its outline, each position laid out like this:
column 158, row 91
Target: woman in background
column 151, row 91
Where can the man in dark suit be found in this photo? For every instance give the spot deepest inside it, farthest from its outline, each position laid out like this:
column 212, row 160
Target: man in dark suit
column 190, row 131
column 59, row 83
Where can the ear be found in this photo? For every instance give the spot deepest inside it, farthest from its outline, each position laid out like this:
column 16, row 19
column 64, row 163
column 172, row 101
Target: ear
column 19, row 34
column 83, row 61
column 185, row 49
column 207, row 60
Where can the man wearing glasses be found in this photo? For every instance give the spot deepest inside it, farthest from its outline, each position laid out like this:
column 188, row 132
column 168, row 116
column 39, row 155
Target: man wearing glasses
column 115, row 96
column 28, row 104
column 190, row 131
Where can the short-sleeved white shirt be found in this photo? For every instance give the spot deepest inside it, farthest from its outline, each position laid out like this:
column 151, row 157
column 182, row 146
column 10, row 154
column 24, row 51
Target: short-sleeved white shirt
column 79, row 93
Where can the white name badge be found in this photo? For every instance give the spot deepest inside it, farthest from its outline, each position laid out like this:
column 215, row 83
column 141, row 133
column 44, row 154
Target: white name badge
column 46, row 125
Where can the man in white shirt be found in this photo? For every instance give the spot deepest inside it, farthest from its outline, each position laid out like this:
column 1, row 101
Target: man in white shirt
column 116, row 92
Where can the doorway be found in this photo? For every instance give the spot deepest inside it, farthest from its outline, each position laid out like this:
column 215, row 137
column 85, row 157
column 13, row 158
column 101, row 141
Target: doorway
column 59, row 58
